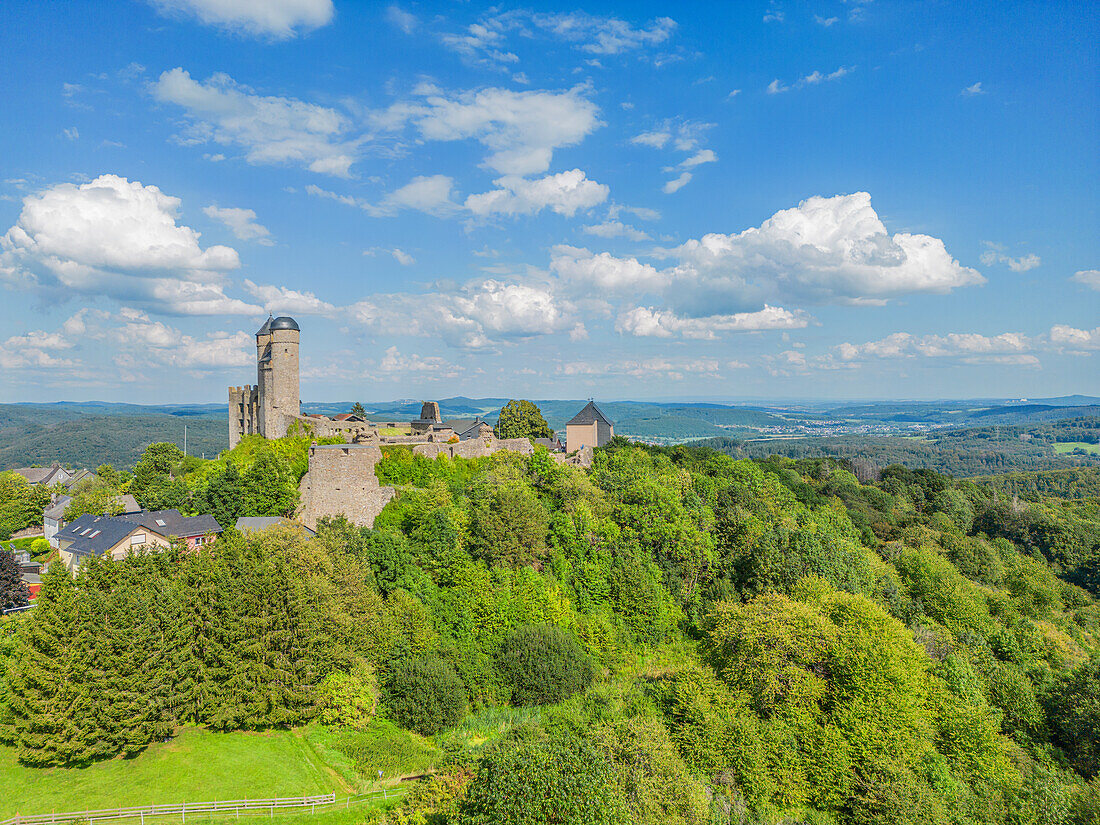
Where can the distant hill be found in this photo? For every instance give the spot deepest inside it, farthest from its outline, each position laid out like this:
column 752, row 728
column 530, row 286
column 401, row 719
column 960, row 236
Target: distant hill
column 972, row 451
column 83, row 436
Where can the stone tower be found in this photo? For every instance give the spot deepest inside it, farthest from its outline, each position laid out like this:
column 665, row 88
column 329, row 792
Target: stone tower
column 277, row 375
column 270, row 406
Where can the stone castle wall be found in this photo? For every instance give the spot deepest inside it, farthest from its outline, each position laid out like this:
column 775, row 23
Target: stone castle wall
column 341, row 478
column 341, row 481
column 243, row 413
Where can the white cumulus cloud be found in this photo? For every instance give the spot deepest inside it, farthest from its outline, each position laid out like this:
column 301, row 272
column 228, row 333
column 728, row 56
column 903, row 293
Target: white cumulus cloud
column 271, row 130
column 1088, row 277
column 823, row 250
column 280, row 300
column 242, row 222
column 1072, row 338
column 120, row 239
column 521, row 130
column 676, row 184
column 603, row 271
column 564, row 193
column 995, row 254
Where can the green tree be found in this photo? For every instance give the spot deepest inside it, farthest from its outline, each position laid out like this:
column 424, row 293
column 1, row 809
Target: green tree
column 509, row 525
column 154, row 485
column 522, row 419
column 95, row 496
column 13, row 590
column 40, row 674
column 543, row 664
column 530, row 778
column 1074, row 712
column 424, row 694
column 358, row 409
column 21, row 504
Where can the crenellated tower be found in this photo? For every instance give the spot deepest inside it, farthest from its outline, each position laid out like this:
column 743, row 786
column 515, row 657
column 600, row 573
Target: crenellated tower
column 270, row 406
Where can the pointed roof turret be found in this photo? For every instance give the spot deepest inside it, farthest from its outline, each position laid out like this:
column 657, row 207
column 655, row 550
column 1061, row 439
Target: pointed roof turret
column 589, row 414
column 266, row 328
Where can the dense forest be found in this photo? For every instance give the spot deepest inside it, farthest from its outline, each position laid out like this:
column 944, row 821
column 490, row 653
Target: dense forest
column 697, row 639
column 87, row 435
column 969, row 451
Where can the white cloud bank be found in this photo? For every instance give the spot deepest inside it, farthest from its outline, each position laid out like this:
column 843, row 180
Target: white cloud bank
column 120, row 239
column 486, row 41
column 649, row 322
column 275, row 19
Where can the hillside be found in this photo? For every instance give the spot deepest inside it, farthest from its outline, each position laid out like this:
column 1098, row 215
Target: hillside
column 968, row 451
column 82, row 436
column 673, row 636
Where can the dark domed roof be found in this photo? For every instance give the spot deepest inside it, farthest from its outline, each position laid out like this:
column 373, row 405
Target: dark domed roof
column 284, row 322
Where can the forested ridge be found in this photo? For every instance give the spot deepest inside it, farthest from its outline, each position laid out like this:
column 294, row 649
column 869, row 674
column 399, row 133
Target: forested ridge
column 699, row 639
column 967, row 451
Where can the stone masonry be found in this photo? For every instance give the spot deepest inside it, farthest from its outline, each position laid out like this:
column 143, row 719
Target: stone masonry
column 341, row 481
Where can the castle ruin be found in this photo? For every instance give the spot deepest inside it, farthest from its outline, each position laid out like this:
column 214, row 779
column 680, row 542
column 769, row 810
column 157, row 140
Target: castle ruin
column 341, row 478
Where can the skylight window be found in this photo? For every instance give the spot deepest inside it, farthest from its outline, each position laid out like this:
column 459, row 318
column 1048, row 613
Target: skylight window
column 160, row 522
column 96, row 533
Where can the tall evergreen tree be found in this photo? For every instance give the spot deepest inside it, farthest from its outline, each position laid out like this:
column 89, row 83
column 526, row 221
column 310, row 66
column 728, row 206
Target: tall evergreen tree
column 38, row 677
column 13, row 590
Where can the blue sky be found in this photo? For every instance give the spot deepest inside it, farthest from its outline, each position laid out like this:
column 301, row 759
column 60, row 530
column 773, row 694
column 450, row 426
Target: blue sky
column 644, row 200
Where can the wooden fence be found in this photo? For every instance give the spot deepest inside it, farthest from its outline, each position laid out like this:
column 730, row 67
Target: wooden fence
column 229, row 807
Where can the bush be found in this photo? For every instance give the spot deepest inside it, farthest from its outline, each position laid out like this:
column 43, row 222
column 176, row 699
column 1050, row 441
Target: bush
column 532, row 778
column 543, row 664
column 425, row 695
column 349, row 699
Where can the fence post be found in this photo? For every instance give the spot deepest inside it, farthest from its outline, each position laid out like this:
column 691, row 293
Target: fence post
column 142, row 817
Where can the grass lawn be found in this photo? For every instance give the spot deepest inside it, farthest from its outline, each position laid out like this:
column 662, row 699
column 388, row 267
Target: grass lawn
column 197, row 765
column 1070, row 446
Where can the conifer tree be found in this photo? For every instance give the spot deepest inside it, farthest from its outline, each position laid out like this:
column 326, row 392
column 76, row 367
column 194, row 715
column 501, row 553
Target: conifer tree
column 38, row 675
column 13, row 590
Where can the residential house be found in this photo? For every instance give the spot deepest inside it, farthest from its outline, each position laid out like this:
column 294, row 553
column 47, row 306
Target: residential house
column 46, row 476
column 554, row 445
column 78, row 476
column 247, row 524
column 53, row 517
column 588, row 428
column 195, row 530
column 112, row 536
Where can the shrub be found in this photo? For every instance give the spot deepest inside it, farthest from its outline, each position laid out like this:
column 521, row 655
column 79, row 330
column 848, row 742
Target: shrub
column 425, row 695
column 543, row 664
column 531, row 778
column 349, row 699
